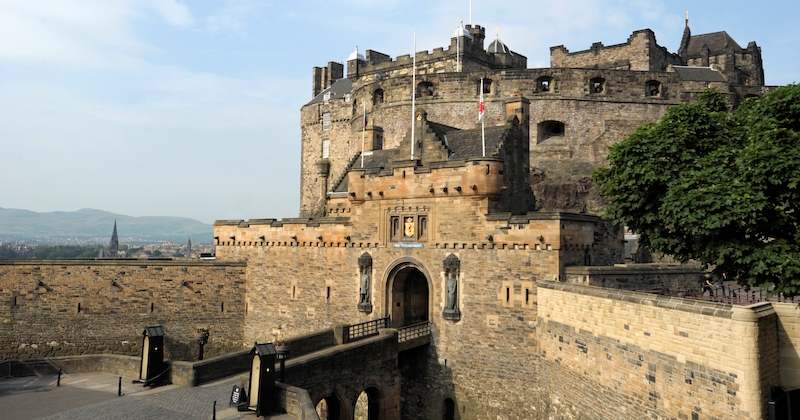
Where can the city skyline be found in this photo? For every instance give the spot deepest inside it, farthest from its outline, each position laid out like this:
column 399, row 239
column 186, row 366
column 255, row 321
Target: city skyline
column 165, row 108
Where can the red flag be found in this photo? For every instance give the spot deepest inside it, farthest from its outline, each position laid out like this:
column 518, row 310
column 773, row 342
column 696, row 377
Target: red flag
column 481, row 106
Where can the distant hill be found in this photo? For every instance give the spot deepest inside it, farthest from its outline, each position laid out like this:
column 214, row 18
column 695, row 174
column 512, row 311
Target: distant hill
column 95, row 226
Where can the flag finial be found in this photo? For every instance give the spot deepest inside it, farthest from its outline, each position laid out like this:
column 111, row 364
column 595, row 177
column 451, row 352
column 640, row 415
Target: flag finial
column 687, row 18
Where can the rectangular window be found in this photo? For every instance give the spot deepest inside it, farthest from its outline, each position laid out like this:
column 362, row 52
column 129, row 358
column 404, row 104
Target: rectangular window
column 326, row 121
column 326, row 148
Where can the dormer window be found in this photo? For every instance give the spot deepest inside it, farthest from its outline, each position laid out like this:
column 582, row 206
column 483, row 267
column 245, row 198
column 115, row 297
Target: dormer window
column 653, row 88
column 326, row 97
column 597, row 85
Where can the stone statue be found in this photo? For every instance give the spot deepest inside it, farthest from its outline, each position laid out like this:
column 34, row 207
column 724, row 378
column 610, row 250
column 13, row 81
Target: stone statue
column 364, row 286
column 365, row 268
column 452, row 286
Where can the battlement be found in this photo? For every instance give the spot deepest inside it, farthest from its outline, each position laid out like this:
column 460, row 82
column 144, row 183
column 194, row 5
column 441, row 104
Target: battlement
column 471, row 50
column 640, row 52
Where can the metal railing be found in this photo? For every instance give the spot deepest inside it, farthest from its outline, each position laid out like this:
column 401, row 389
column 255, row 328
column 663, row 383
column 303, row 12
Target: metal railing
column 410, row 332
column 366, row 329
column 732, row 294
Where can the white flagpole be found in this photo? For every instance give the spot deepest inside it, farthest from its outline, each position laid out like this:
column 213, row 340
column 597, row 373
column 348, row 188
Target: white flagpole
column 363, row 133
column 483, row 124
column 458, row 50
column 414, row 95
column 470, row 12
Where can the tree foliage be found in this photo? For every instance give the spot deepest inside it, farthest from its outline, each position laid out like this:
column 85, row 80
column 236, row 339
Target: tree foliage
column 704, row 184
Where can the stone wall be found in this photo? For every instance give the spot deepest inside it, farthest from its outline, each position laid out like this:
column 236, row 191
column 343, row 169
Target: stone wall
column 641, row 277
column 592, row 122
column 640, row 53
column 620, row 354
column 347, row 370
column 70, row 307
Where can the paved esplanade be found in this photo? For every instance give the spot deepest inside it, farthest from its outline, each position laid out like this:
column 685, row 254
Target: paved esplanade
column 94, row 396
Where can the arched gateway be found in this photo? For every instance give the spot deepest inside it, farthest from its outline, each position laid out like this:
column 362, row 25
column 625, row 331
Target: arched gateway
column 408, row 293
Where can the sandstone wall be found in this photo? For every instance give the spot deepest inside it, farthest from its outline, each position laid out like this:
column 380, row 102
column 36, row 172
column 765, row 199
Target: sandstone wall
column 619, row 354
column 789, row 343
column 70, row 307
column 592, row 122
column 640, row 52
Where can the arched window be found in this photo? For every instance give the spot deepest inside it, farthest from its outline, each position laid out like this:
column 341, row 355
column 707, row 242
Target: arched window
column 377, row 96
column 652, row 88
column 550, row 129
column 425, row 89
column 487, row 86
column 355, row 106
column 544, row 84
column 597, row 85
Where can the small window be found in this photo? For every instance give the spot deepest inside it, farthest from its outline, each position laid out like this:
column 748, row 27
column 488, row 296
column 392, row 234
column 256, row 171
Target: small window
column 377, row 96
column 487, row 86
column 347, row 97
column 326, row 97
column 425, row 89
column 326, row 148
column 550, row 129
column 394, row 228
column 653, row 88
column 355, row 106
column 326, row 121
column 422, row 228
column 544, row 84
column 597, row 85
column 377, row 144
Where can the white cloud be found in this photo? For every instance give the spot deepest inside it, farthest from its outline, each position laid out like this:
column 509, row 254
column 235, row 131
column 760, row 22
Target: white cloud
column 174, row 13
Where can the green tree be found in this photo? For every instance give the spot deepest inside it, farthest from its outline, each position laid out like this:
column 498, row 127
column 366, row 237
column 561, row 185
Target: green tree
column 156, row 253
column 7, row 253
column 717, row 187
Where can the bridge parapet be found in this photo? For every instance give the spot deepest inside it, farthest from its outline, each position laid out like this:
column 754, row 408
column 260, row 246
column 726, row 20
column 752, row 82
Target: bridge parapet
column 414, row 335
column 364, row 330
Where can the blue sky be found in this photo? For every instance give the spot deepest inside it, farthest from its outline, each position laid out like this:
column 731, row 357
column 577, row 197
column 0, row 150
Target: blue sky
column 179, row 108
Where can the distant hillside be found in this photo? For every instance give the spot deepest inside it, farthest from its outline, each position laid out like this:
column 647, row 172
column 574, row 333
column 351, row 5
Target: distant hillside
column 95, row 226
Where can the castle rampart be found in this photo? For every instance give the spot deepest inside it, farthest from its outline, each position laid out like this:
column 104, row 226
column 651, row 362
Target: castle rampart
column 71, row 307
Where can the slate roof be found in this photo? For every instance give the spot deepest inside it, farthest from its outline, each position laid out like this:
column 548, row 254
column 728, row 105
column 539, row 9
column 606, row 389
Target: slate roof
column 717, row 42
column 337, row 89
column 699, row 74
column 463, row 144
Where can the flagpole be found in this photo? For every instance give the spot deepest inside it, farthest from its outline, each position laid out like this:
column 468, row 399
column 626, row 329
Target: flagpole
column 470, row 12
column 363, row 133
column 413, row 95
column 458, row 47
column 483, row 124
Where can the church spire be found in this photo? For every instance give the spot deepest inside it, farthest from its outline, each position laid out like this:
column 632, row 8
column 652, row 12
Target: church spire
column 687, row 35
column 113, row 246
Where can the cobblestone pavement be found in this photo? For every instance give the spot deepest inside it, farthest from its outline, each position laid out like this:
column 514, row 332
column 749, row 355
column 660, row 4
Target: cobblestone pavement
column 94, row 396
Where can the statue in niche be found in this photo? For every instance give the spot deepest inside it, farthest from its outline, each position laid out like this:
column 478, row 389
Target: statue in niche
column 364, row 286
column 452, row 287
column 365, row 272
column 452, row 268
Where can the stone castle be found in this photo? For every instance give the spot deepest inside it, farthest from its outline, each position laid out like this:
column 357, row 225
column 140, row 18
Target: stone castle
column 411, row 210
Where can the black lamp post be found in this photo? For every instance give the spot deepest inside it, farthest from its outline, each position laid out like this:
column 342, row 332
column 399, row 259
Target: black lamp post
column 201, row 336
column 282, row 349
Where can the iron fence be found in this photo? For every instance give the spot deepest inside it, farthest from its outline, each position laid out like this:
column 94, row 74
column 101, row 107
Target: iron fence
column 732, row 294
